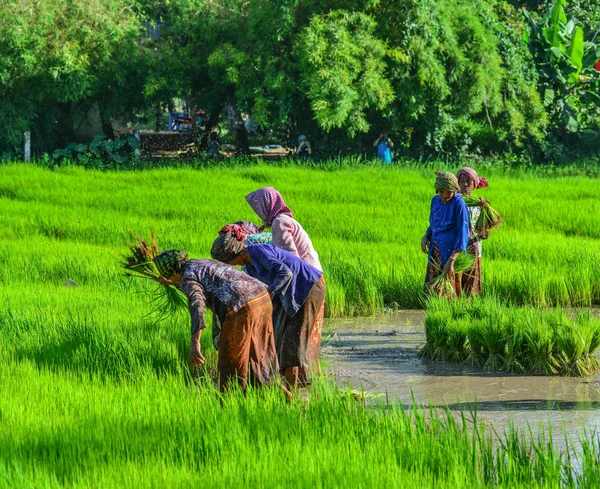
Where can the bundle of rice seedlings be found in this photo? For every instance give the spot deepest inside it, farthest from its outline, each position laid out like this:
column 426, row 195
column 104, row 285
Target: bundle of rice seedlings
column 489, row 218
column 436, row 347
column 442, row 285
column 476, row 356
column 539, row 355
column 570, row 355
column 514, row 346
column 493, row 341
column 457, row 337
column 166, row 300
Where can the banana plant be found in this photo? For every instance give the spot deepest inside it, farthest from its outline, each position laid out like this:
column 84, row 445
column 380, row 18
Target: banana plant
column 568, row 80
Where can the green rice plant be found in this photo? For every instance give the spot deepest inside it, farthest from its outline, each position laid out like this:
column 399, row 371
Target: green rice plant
column 514, row 351
column 477, row 356
column 166, row 299
column 456, row 348
column 442, row 285
column 436, row 345
column 539, row 356
column 489, row 218
column 571, row 351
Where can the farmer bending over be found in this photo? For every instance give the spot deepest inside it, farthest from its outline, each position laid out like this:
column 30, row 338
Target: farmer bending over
column 243, row 307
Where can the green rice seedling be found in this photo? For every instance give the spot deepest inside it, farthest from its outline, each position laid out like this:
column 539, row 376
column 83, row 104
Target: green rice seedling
column 436, row 334
column 477, row 356
column 442, row 285
column 570, row 351
column 489, row 218
column 457, row 332
column 539, row 354
column 514, row 351
column 493, row 342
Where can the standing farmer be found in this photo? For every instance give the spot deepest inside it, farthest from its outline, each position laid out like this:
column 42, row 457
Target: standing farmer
column 448, row 232
column 383, row 145
column 468, row 180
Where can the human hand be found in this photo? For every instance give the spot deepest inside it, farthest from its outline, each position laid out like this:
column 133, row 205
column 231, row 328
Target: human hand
column 425, row 244
column 196, row 356
column 449, row 267
column 164, row 281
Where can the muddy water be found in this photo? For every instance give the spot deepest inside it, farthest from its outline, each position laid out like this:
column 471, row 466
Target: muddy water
column 380, row 355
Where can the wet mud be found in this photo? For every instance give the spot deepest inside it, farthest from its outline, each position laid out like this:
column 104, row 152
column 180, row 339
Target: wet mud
column 380, row 355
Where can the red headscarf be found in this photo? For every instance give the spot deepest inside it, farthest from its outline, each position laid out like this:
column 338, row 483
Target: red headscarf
column 268, row 204
column 479, row 182
column 239, row 231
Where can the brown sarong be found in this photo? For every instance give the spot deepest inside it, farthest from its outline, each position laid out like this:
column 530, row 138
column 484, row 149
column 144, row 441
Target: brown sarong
column 247, row 345
column 435, row 269
column 470, row 280
column 298, row 338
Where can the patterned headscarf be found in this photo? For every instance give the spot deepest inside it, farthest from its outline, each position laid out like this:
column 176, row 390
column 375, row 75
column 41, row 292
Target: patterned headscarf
column 239, row 231
column 479, row 182
column 226, row 247
column 447, row 181
column 170, row 262
column 268, row 204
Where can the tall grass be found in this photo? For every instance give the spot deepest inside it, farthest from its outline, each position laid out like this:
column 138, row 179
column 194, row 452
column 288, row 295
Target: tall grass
column 366, row 223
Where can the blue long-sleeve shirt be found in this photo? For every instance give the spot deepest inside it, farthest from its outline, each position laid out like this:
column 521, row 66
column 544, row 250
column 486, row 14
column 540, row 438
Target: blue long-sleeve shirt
column 286, row 275
column 448, row 226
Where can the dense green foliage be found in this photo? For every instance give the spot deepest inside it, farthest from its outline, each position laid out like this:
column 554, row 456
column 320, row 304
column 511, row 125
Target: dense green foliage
column 495, row 336
column 444, row 77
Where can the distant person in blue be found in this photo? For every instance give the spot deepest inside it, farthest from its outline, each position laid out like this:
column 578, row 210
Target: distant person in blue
column 383, row 145
column 303, row 151
column 448, row 232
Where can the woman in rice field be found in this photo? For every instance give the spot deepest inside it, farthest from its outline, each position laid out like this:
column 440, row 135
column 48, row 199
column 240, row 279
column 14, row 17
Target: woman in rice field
column 298, row 292
column 289, row 235
column 448, row 232
column 468, row 180
column 246, row 343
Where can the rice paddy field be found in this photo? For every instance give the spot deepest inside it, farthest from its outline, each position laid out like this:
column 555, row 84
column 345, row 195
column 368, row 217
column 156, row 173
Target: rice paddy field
column 95, row 393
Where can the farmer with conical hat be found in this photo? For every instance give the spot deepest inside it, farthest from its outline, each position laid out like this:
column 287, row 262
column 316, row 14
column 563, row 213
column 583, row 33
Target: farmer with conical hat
column 448, row 232
column 298, row 291
column 468, row 180
column 245, row 343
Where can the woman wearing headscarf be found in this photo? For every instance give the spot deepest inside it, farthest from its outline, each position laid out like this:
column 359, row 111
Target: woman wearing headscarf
column 245, row 341
column 290, row 236
column 468, row 180
column 298, row 292
column 448, row 232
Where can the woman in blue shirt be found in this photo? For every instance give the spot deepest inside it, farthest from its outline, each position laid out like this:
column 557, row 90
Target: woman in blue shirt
column 448, row 232
column 298, row 293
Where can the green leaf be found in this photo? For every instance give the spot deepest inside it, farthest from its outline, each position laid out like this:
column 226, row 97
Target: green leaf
column 548, row 96
column 576, row 54
column 570, row 117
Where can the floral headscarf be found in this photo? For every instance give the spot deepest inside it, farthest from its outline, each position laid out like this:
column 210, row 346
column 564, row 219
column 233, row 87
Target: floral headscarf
column 268, row 204
column 226, row 247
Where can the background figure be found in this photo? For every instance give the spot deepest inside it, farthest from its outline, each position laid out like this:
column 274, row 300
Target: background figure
column 213, row 146
column 303, row 151
column 383, row 145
